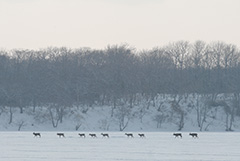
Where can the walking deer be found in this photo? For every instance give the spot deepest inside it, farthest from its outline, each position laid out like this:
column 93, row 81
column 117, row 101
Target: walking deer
column 141, row 135
column 93, row 135
column 194, row 135
column 177, row 135
column 60, row 134
column 129, row 134
column 37, row 134
column 105, row 135
column 82, row 135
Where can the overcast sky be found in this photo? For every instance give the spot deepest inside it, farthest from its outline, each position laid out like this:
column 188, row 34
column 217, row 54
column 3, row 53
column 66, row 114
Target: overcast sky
column 143, row 24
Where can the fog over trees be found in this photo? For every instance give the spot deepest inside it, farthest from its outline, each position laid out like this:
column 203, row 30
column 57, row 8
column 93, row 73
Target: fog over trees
column 59, row 78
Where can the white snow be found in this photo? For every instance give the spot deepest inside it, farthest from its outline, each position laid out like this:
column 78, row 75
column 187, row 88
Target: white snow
column 157, row 146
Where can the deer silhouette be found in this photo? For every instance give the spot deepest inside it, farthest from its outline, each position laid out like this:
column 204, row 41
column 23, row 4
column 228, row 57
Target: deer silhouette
column 60, row 134
column 129, row 134
column 177, row 135
column 93, row 135
column 105, row 135
column 194, row 135
column 36, row 134
column 141, row 135
column 82, row 135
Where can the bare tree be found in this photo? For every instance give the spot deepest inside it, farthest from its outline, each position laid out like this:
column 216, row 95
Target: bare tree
column 123, row 116
column 179, row 111
column 21, row 124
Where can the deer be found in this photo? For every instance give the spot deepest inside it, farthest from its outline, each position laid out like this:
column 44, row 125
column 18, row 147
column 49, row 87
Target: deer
column 93, row 135
column 129, row 134
column 141, row 135
column 105, row 135
column 177, row 135
column 60, row 134
column 194, row 135
column 82, row 135
column 36, row 134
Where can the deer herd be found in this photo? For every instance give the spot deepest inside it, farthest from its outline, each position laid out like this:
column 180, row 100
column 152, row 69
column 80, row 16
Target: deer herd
column 141, row 135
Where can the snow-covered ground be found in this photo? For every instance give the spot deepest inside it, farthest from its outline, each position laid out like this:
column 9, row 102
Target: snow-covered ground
column 157, row 146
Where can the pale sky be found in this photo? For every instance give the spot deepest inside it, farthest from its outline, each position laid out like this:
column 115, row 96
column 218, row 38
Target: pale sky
column 142, row 24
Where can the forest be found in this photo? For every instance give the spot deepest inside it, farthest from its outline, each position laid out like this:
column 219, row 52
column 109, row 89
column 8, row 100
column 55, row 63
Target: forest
column 64, row 77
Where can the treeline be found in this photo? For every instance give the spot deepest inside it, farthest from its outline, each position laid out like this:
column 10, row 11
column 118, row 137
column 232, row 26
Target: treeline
column 67, row 77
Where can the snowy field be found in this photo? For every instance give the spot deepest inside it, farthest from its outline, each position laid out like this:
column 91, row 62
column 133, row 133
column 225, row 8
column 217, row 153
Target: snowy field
column 157, row 146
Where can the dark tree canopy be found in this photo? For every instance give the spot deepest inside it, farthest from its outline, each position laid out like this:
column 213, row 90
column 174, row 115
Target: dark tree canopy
column 69, row 77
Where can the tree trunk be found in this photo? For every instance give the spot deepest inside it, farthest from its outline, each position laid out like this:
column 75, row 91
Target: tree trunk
column 11, row 116
column 55, row 124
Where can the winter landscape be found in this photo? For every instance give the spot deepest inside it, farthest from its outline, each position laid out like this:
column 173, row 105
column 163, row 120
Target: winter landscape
column 157, row 146
column 142, row 80
column 117, row 90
